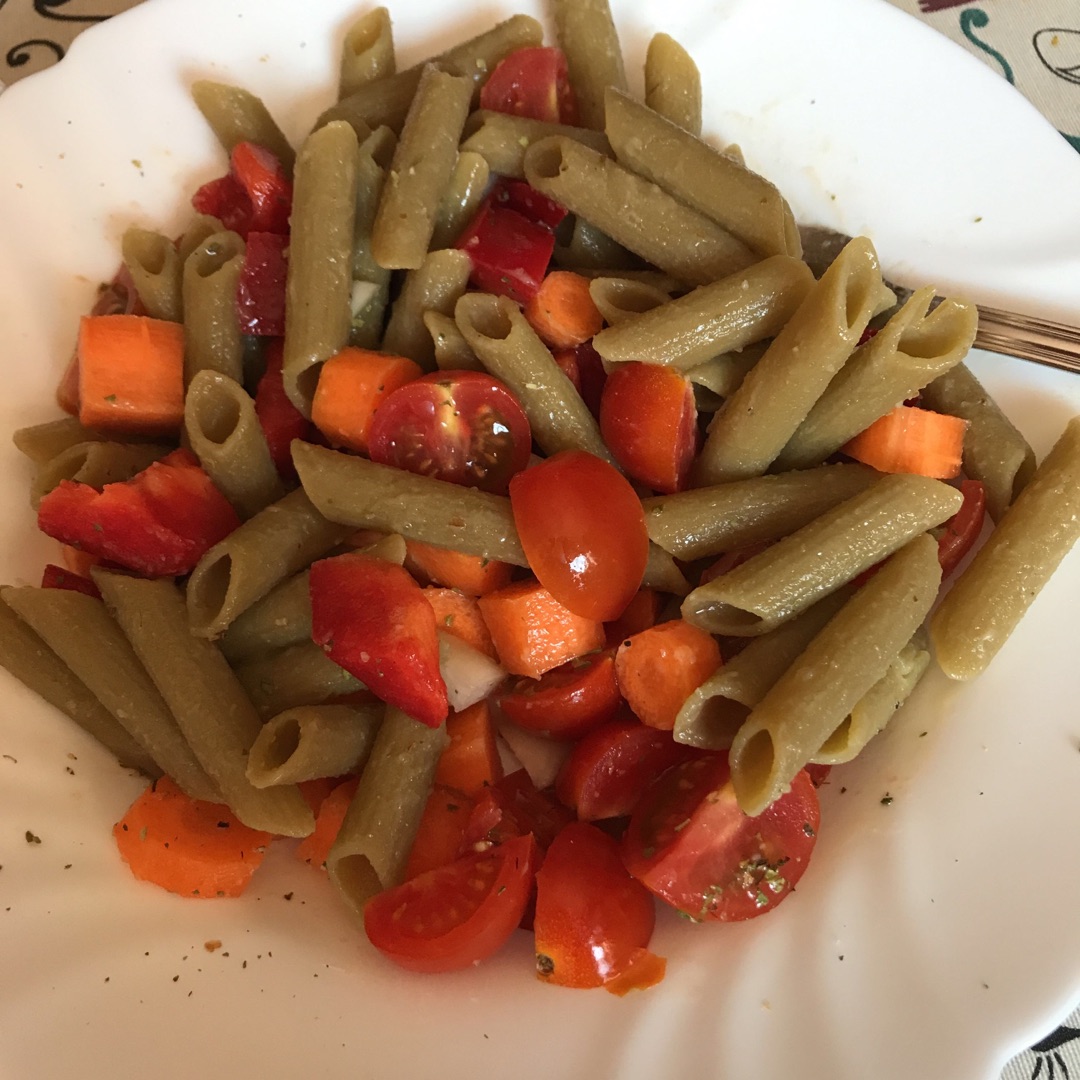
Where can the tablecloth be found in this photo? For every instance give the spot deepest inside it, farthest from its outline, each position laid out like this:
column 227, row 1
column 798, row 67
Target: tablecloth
column 1034, row 44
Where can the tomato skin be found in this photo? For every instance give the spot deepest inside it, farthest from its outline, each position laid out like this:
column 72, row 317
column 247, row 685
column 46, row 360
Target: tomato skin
column 583, row 531
column 591, row 915
column 465, row 427
column 612, row 766
column 963, row 528
column 566, row 702
column 513, row 807
column 457, row 915
column 531, row 82
column 649, row 420
column 692, row 846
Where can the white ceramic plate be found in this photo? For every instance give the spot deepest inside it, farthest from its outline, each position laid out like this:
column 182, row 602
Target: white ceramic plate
column 931, row 937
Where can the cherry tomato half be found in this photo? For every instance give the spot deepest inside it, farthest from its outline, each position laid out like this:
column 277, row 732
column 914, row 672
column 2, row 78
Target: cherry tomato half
column 462, row 426
column 457, row 915
column 513, row 806
column 583, row 531
column 649, row 420
column 963, row 528
column 567, row 702
column 691, row 845
column 532, row 82
column 591, row 915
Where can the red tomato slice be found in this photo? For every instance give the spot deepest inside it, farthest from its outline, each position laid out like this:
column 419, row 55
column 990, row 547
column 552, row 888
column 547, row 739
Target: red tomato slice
column 649, row 420
column 568, row 701
column 591, row 915
column 583, row 531
column 512, row 807
column 462, row 426
column 610, row 768
column 456, row 915
column 963, row 528
column 532, row 82
column 691, row 845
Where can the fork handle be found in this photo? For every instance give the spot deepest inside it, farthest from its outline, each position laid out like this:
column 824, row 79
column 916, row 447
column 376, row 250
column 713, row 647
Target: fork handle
column 1041, row 340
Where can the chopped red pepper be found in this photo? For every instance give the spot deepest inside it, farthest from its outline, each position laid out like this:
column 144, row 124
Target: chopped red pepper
column 59, row 577
column 225, row 199
column 260, row 293
column 963, row 528
column 509, row 253
column 518, row 195
column 158, row 523
column 280, row 419
column 254, row 196
column 372, row 619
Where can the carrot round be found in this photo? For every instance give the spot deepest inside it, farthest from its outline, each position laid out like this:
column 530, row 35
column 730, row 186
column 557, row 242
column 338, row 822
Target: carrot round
column 658, row 669
column 563, row 312
column 131, row 374
column 189, row 847
column 352, row 385
column 911, row 440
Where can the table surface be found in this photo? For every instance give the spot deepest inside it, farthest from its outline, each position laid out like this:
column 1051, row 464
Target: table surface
column 1034, row 44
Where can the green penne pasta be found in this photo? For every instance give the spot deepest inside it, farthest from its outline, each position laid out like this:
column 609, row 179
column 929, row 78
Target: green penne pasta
column 912, row 349
column 276, row 543
column 85, row 637
column 757, row 421
column 587, row 36
column 723, row 374
column 313, row 741
column 502, row 139
column 42, row 442
column 199, row 229
column 620, row 299
column 35, row 665
column 461, row 199
column 211, row 327
column 370, row 282
column 589, row 248
column 318, row 313
column 157, row 271
column 510, row 349
column 634, row 212
column 237, row 116
column 96, row 464
column 706, row 522
column 725, row 316
column 367, row 53
column 452, row 351
column 213, row 712
column 815, row 561
column 373, row 844
column 673, row 83
column 1035, row 533
column 226, row 436
column 301, row 674
column 841, row 664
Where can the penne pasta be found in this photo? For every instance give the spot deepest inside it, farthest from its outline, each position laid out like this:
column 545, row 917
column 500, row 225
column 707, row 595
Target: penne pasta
column 237, row 116
column 96, row 464
column 301, row 674
column 461, row 198
column 588, row 38
column 212, row 338
column 157, row 272
column 367, row 53
column 673, row 83
column 502, row 139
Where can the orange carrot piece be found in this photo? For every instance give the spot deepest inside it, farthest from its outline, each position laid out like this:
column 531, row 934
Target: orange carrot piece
column 441, row 831
column 472, row 574
column 188, row 847
column 911, row 440
column 314, row 848
column 563, row 312
column 641, row 613
column 459, row 615
column 471, row 762
column 533, row 632
column 658, row 669
column 131, row 374
column 352, row 385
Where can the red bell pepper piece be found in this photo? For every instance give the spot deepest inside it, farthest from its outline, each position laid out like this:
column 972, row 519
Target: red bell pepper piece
column 372, row 619
column 159, row 523
column 509, row 253
column 260, row 293
column 518, row 195
column 280, row 420
column 59, row 577
column 268, row 187
column 225, row 199
column 963, row 528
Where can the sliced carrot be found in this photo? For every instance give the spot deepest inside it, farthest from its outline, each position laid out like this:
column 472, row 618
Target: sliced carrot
column 471, row 761
column 658, row 669
column 352, row 385
column 533, row 632
column 314, row 848
column 472, row 574
column 189, row 847
column 911, row 440
column 563, row 312
column 441, row 831
column 641, row 613
column 131, row 374
column 458, row 614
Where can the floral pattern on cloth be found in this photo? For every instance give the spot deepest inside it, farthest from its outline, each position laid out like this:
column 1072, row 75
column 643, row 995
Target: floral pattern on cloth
column 1035, row 44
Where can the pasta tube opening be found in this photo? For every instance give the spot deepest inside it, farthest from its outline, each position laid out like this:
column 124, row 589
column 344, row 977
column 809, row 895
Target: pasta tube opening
column 546, row 159
column 757, row 763
column 208, row 589
column 214, row 253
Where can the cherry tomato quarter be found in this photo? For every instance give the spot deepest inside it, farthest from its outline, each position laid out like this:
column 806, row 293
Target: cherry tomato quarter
column 649, row 420
column 456, row 915
column 591, row 915
column 532, row 82
column 461, row 426
column 692, row 846
column 583, row 531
